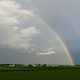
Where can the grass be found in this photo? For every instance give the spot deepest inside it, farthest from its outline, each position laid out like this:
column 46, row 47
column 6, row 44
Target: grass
column 64, row 74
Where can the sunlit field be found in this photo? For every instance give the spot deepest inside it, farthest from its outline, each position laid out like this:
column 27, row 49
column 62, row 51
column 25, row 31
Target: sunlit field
column 47, row 73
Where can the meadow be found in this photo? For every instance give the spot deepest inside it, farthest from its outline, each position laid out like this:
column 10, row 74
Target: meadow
column 49, row 73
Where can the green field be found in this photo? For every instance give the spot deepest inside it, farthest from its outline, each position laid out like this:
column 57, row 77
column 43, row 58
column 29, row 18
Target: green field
column 63, row 74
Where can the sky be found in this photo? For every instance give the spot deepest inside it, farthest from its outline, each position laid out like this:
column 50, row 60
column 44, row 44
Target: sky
column 39, row 31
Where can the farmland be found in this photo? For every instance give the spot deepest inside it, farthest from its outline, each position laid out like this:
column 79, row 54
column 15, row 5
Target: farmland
column 40, row 73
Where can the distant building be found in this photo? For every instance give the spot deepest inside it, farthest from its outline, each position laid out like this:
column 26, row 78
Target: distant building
column 11, row 65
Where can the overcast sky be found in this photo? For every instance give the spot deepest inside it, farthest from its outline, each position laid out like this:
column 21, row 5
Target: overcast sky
column 24, row 38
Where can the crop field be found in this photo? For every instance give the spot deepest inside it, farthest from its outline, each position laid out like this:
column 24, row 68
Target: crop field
column 39, row 74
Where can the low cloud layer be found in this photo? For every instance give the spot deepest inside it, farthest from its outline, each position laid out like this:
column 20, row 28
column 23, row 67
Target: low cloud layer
column 46, row 52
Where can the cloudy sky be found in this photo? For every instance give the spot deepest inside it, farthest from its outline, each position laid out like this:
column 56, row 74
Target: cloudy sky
column 27, row 31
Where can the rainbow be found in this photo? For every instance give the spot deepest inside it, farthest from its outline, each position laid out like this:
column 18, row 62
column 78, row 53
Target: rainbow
column 57, row 36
